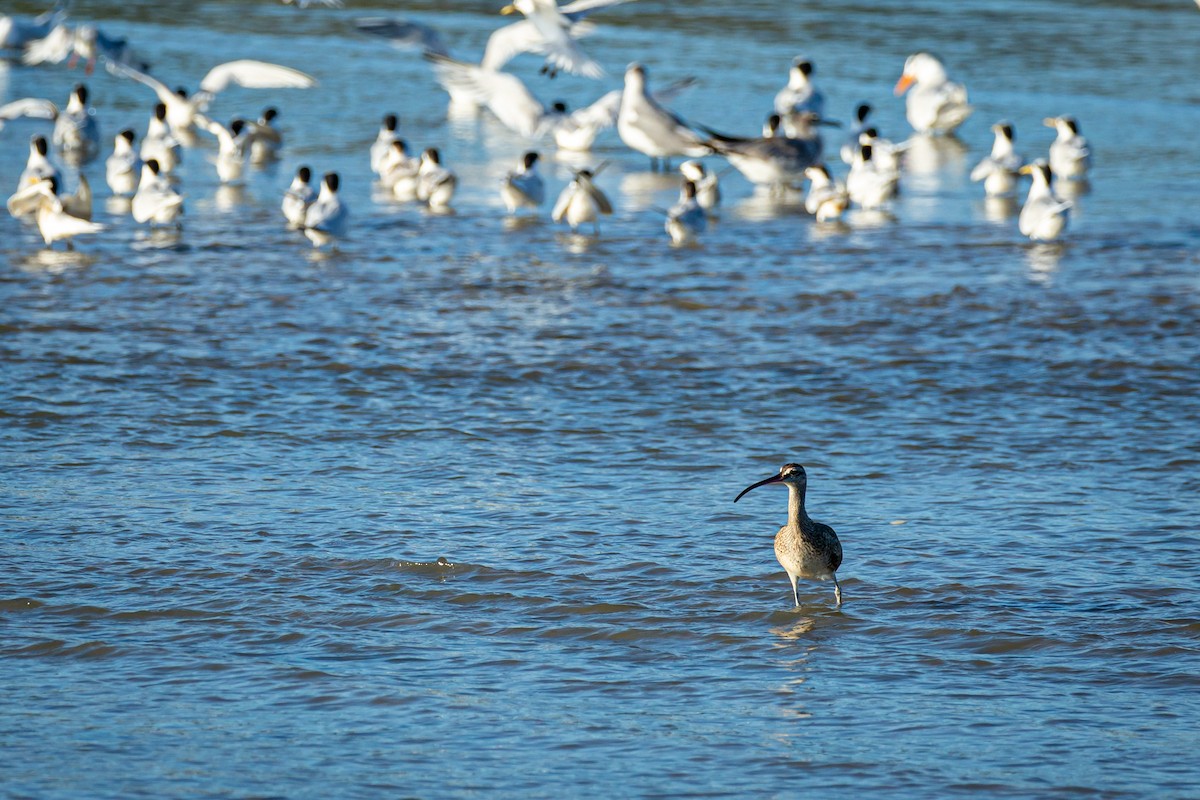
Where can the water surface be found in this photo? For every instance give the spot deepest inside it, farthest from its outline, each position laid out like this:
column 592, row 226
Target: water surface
column 230, row 466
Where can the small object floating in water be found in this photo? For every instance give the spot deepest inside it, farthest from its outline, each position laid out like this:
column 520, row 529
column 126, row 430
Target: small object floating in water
column 443, row 562
column 804, row 547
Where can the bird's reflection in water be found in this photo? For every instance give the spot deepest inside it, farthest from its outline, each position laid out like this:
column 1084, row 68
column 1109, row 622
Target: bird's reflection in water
column 1043, row 260
column 830, row 229
column 118, row 206
column 872, row 218
column 1000, row 210
column 641, row 190
column 56, row 261
column 520, row 223
column 927, row 158
column 159, row 239
column 229, row 197
column 767, row 204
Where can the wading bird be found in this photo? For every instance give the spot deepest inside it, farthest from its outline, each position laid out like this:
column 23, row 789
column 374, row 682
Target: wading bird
column 805, row 548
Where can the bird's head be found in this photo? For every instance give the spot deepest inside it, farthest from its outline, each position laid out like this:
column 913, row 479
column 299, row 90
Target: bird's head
column 791, row 474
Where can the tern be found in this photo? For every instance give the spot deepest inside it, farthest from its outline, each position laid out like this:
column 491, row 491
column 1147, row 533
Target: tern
column 582, row 201
column 1043, row 217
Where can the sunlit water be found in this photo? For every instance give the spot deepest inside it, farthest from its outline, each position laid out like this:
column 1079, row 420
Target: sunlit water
column 230, row 466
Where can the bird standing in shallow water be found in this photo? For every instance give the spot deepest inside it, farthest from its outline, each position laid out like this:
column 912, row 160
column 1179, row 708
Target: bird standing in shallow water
column 805, row 548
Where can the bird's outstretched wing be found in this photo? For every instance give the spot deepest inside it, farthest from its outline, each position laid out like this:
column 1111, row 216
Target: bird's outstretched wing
column 254, row 75
column 165, row 95
column 54, row 48
column 27, row 107
column 581, row 8
column 404, row 34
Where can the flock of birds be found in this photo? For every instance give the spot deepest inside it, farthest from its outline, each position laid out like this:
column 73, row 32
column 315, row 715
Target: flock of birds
column 787, row 156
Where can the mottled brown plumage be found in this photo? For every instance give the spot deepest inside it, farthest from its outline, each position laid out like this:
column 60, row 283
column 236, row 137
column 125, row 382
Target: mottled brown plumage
column 805, row 548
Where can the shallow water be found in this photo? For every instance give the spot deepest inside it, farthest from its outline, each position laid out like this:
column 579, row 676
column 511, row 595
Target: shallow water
column 230, row 466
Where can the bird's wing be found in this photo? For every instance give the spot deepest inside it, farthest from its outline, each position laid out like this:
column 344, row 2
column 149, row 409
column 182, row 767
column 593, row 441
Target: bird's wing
column 671, row 91
column 600, row 114
column 504, row 94
column 254, row 75
column 264, row 133
column 564, row 200
column 55, row 47
column 560, row 48
column 165, row 95
column 28, row 107
column 69, row 225
column 581, row 8
column 983, row 169
column 223, row 134
column 29, row 198
column 403, row 34
column 594, row 192
column 508, row 42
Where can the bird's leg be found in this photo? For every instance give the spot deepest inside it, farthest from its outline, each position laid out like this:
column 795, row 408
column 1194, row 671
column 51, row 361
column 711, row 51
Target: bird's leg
column 837, row 592
column 795, row 593
column 667, row 164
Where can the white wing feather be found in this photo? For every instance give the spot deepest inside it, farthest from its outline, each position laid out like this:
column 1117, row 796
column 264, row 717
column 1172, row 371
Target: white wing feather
column 28, row 107
column 54, row 48
column 254, row 75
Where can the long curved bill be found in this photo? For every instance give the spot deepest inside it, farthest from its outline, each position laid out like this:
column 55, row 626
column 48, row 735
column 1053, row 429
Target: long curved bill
column 903, row 84
column 772, row 479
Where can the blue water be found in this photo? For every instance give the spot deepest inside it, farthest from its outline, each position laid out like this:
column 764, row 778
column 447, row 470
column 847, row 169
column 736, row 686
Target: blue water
column 229, row 465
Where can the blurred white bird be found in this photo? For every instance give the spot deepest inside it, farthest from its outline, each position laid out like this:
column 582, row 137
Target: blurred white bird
column 647, row 127
column 708, row 189
column 775, row 161
column 511, row 101
column 86, row 42
column 160, row 143
column 799, row 96
column 998, row 170
column 686, row 220
column 232, row 146
column 76, row 133
column 523, row 187
column 155, row 200
column 935, row 104
column 549, row 30
column 827, row 198
column 327, row 218
column 383, row 141
column 869, row 186
column 54, row 219
column 400, row 172
column 860, row 124
column 884, row 152
column 182, row 109
column 124, row 165
column 38, row 165
column 1043, row 217
column 582, row 201
column 18, row 32
column 267, row 140
column 435, row 183
column 298, row 197
column 1070, row 155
